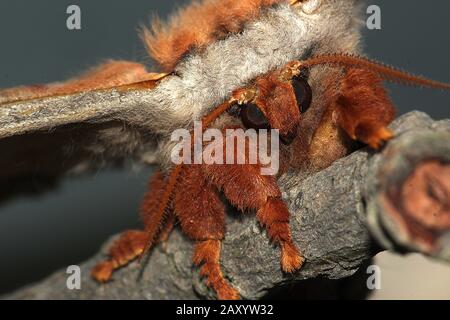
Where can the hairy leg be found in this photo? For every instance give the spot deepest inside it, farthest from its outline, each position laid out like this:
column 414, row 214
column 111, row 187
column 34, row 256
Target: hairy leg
column 274, row 215
column 202, row 217
column 131, row 244
column 246, row 188
column 207, row 254
column 363, row 108
column 124, row 250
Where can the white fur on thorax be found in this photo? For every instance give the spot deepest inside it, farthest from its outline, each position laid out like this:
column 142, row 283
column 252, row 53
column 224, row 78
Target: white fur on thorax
column 205, row 79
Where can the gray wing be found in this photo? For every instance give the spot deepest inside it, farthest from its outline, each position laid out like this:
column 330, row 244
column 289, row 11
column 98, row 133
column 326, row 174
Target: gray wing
column 43, row 139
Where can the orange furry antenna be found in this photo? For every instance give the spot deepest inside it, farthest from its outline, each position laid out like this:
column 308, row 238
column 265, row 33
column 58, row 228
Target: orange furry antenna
column 153, row 226
column 387, row 72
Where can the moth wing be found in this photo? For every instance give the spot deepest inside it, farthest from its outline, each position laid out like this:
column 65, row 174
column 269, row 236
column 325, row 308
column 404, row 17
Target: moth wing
column 47, row 131
column 108, row 75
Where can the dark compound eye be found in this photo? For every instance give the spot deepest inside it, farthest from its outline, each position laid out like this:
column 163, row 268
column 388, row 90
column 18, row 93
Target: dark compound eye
column 253, row 118
column 303, row 93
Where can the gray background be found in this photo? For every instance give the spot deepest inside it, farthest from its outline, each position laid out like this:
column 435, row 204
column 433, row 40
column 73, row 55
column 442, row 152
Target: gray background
column 40, row 235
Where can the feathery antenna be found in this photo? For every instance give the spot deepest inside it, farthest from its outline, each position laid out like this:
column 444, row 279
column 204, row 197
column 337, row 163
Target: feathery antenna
column 388, row 73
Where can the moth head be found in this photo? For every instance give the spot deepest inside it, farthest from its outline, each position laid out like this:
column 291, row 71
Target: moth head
column 276, row 101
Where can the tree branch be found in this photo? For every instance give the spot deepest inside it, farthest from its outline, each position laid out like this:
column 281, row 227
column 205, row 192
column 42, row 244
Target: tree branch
column 341, row 217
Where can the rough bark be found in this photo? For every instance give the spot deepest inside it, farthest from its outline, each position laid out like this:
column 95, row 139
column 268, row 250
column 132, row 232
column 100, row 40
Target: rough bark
column 337, row 219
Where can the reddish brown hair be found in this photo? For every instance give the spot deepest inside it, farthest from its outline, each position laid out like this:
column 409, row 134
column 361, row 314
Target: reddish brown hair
column 198, row 25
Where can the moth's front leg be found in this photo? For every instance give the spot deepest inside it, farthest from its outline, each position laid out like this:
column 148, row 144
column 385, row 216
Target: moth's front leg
column 202, row 217
column 246, row 188
column 131, row 244
column 128, row 247
column 362, row 107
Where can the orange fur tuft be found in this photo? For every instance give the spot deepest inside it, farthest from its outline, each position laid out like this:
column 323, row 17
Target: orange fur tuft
column 197, row 26
column 276, row 99
column 363, row 108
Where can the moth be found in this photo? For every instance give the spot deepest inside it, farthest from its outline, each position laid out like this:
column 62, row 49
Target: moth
column 294, row 66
